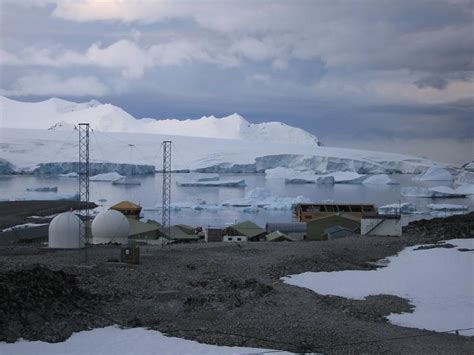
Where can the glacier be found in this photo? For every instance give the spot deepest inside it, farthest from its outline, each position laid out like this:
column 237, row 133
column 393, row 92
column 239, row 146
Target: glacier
column 119, row 142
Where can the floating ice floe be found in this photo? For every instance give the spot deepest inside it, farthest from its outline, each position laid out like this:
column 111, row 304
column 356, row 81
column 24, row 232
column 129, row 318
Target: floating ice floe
column 446, row 206
column 47, row 196
column 126, row 181
column 347, row 177
column 395, row 208
column 69, row 175
column 262, row 198
column 434, row 192
column 435, row 173
column 436, row 281
column 446, row 209
column 114, row 176
column 213, row 183
column 380, row 179
column 114, row 340
column 43, row 189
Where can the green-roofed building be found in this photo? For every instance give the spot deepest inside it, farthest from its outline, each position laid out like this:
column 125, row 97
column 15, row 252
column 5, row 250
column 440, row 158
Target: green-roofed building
column 183, row 233
column 278, row 236
column 144, row 230
column 247, row 228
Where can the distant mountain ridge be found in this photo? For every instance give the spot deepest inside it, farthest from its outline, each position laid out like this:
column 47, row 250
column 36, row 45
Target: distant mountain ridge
column 58, row 114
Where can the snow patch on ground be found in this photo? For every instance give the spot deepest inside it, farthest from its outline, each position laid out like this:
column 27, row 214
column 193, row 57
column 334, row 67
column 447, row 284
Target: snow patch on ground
column 23, row 226
column 113, row 340
column 43, row 189
column 438, row 282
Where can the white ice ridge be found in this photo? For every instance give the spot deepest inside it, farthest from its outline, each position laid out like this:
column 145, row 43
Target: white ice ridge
column 113, row 340
column 57, row 114
column 436, row 281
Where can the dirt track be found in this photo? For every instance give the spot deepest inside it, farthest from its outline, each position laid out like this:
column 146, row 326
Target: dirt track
column 223, row 293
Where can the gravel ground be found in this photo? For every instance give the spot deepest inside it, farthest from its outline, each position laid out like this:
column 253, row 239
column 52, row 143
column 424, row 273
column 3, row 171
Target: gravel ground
column 219, row 293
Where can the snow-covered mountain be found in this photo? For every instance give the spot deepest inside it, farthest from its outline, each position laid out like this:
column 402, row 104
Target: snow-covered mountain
column 60, row 114
column 40, row 138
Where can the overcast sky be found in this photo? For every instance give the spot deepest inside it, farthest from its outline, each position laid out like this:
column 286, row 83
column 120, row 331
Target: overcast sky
column 391, row 75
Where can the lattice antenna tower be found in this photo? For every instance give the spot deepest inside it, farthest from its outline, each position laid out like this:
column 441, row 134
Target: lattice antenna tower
column 166, row 193
column 84, row 172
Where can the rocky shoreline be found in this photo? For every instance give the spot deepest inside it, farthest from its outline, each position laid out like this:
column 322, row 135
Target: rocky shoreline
column 217, row 293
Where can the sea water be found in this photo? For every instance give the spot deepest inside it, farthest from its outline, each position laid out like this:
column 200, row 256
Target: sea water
column 149, row 195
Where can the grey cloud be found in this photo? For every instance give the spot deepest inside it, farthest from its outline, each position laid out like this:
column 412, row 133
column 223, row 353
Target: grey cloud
column 434, row 82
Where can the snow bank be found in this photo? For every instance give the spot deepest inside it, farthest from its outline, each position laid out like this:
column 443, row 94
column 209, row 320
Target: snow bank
column 106, row 177
column 380, row 179
column 395, row 208
column 437, row 281
column 434, row 192
column 112, row 340
column 23, row 226
column 435, row 173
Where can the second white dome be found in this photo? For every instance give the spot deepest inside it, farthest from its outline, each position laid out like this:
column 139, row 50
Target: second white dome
column 110, row 227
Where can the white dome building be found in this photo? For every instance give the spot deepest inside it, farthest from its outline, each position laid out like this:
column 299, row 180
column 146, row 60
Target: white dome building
column 66, row 230
column 110, row 227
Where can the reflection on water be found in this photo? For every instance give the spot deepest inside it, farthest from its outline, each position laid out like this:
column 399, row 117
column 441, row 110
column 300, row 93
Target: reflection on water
column 148, row 194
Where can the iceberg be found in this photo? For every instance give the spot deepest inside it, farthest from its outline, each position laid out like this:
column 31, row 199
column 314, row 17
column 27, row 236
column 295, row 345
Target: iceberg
column 106, row 177
column 126, row 181
column 295, row 176
column 262, row 198
column 434, row 192
column 396, row 208
column 435, row 173
column 467, row 189
column 43, row 189
column 346, row 177
column 469, row 166
column 465, row 177
column 380, row 179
